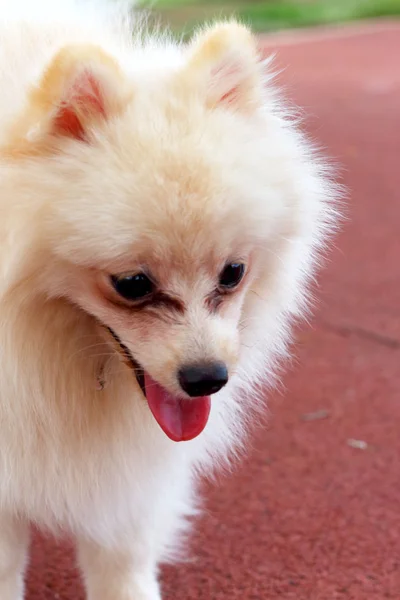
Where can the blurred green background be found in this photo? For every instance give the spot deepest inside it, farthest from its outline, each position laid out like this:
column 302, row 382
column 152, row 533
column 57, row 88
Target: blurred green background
column 270, row 15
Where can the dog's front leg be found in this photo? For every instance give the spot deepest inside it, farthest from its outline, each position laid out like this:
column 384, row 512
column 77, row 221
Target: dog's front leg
column 14, row 539
column 118, row 573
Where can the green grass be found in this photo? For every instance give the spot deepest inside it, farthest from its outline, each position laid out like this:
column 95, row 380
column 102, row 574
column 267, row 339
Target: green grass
column 271, row 15
column 279, row 15
column 174, row 3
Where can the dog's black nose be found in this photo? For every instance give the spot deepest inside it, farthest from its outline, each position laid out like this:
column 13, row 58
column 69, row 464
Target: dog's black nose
column 203, row 379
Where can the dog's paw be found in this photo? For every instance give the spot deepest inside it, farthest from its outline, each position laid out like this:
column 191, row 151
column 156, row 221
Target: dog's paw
column 149, row 591
column 144, row 588
column 140, row 590
column 145, row 596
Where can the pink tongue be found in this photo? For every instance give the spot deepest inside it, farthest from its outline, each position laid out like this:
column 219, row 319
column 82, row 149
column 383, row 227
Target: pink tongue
column 180, row 419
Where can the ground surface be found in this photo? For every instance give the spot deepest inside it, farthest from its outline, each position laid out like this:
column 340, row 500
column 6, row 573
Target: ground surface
column 309, row 516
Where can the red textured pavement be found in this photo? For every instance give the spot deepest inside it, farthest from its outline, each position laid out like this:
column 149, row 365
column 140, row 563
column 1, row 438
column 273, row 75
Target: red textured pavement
column 308, row 516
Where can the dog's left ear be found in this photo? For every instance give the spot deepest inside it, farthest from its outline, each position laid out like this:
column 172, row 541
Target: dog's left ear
column 224, row 65
column 80, row 89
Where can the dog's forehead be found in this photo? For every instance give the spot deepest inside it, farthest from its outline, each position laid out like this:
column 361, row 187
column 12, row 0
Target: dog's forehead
column 183, row 216
column 182, row 250
column 173, row 255
column 167, row 203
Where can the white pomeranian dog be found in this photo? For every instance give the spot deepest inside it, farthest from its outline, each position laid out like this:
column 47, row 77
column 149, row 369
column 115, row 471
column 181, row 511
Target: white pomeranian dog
column 160, row 219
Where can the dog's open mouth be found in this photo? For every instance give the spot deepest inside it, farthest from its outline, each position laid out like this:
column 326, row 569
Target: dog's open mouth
column 179, row 418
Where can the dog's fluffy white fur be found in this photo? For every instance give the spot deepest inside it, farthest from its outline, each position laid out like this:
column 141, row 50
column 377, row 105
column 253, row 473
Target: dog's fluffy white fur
column 179, row 158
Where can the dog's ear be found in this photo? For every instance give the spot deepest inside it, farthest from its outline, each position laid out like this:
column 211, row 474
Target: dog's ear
column 81, row 88
column 225, row 63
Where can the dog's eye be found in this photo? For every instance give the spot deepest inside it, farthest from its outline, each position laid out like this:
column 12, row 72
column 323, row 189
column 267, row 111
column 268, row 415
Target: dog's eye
column 133, row 287
column 231, row 276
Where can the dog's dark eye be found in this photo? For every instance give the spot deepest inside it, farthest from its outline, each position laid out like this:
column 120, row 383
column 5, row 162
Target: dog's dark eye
column 231, row 276
column 133, row 287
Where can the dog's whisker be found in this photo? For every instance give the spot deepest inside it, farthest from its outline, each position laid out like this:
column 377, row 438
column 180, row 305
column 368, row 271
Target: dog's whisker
column 85, row 349
column 258, row 295
column 97, row 355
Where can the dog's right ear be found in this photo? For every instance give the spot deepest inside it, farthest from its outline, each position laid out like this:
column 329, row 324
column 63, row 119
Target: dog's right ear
column 225, row 68
column 80, row 90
